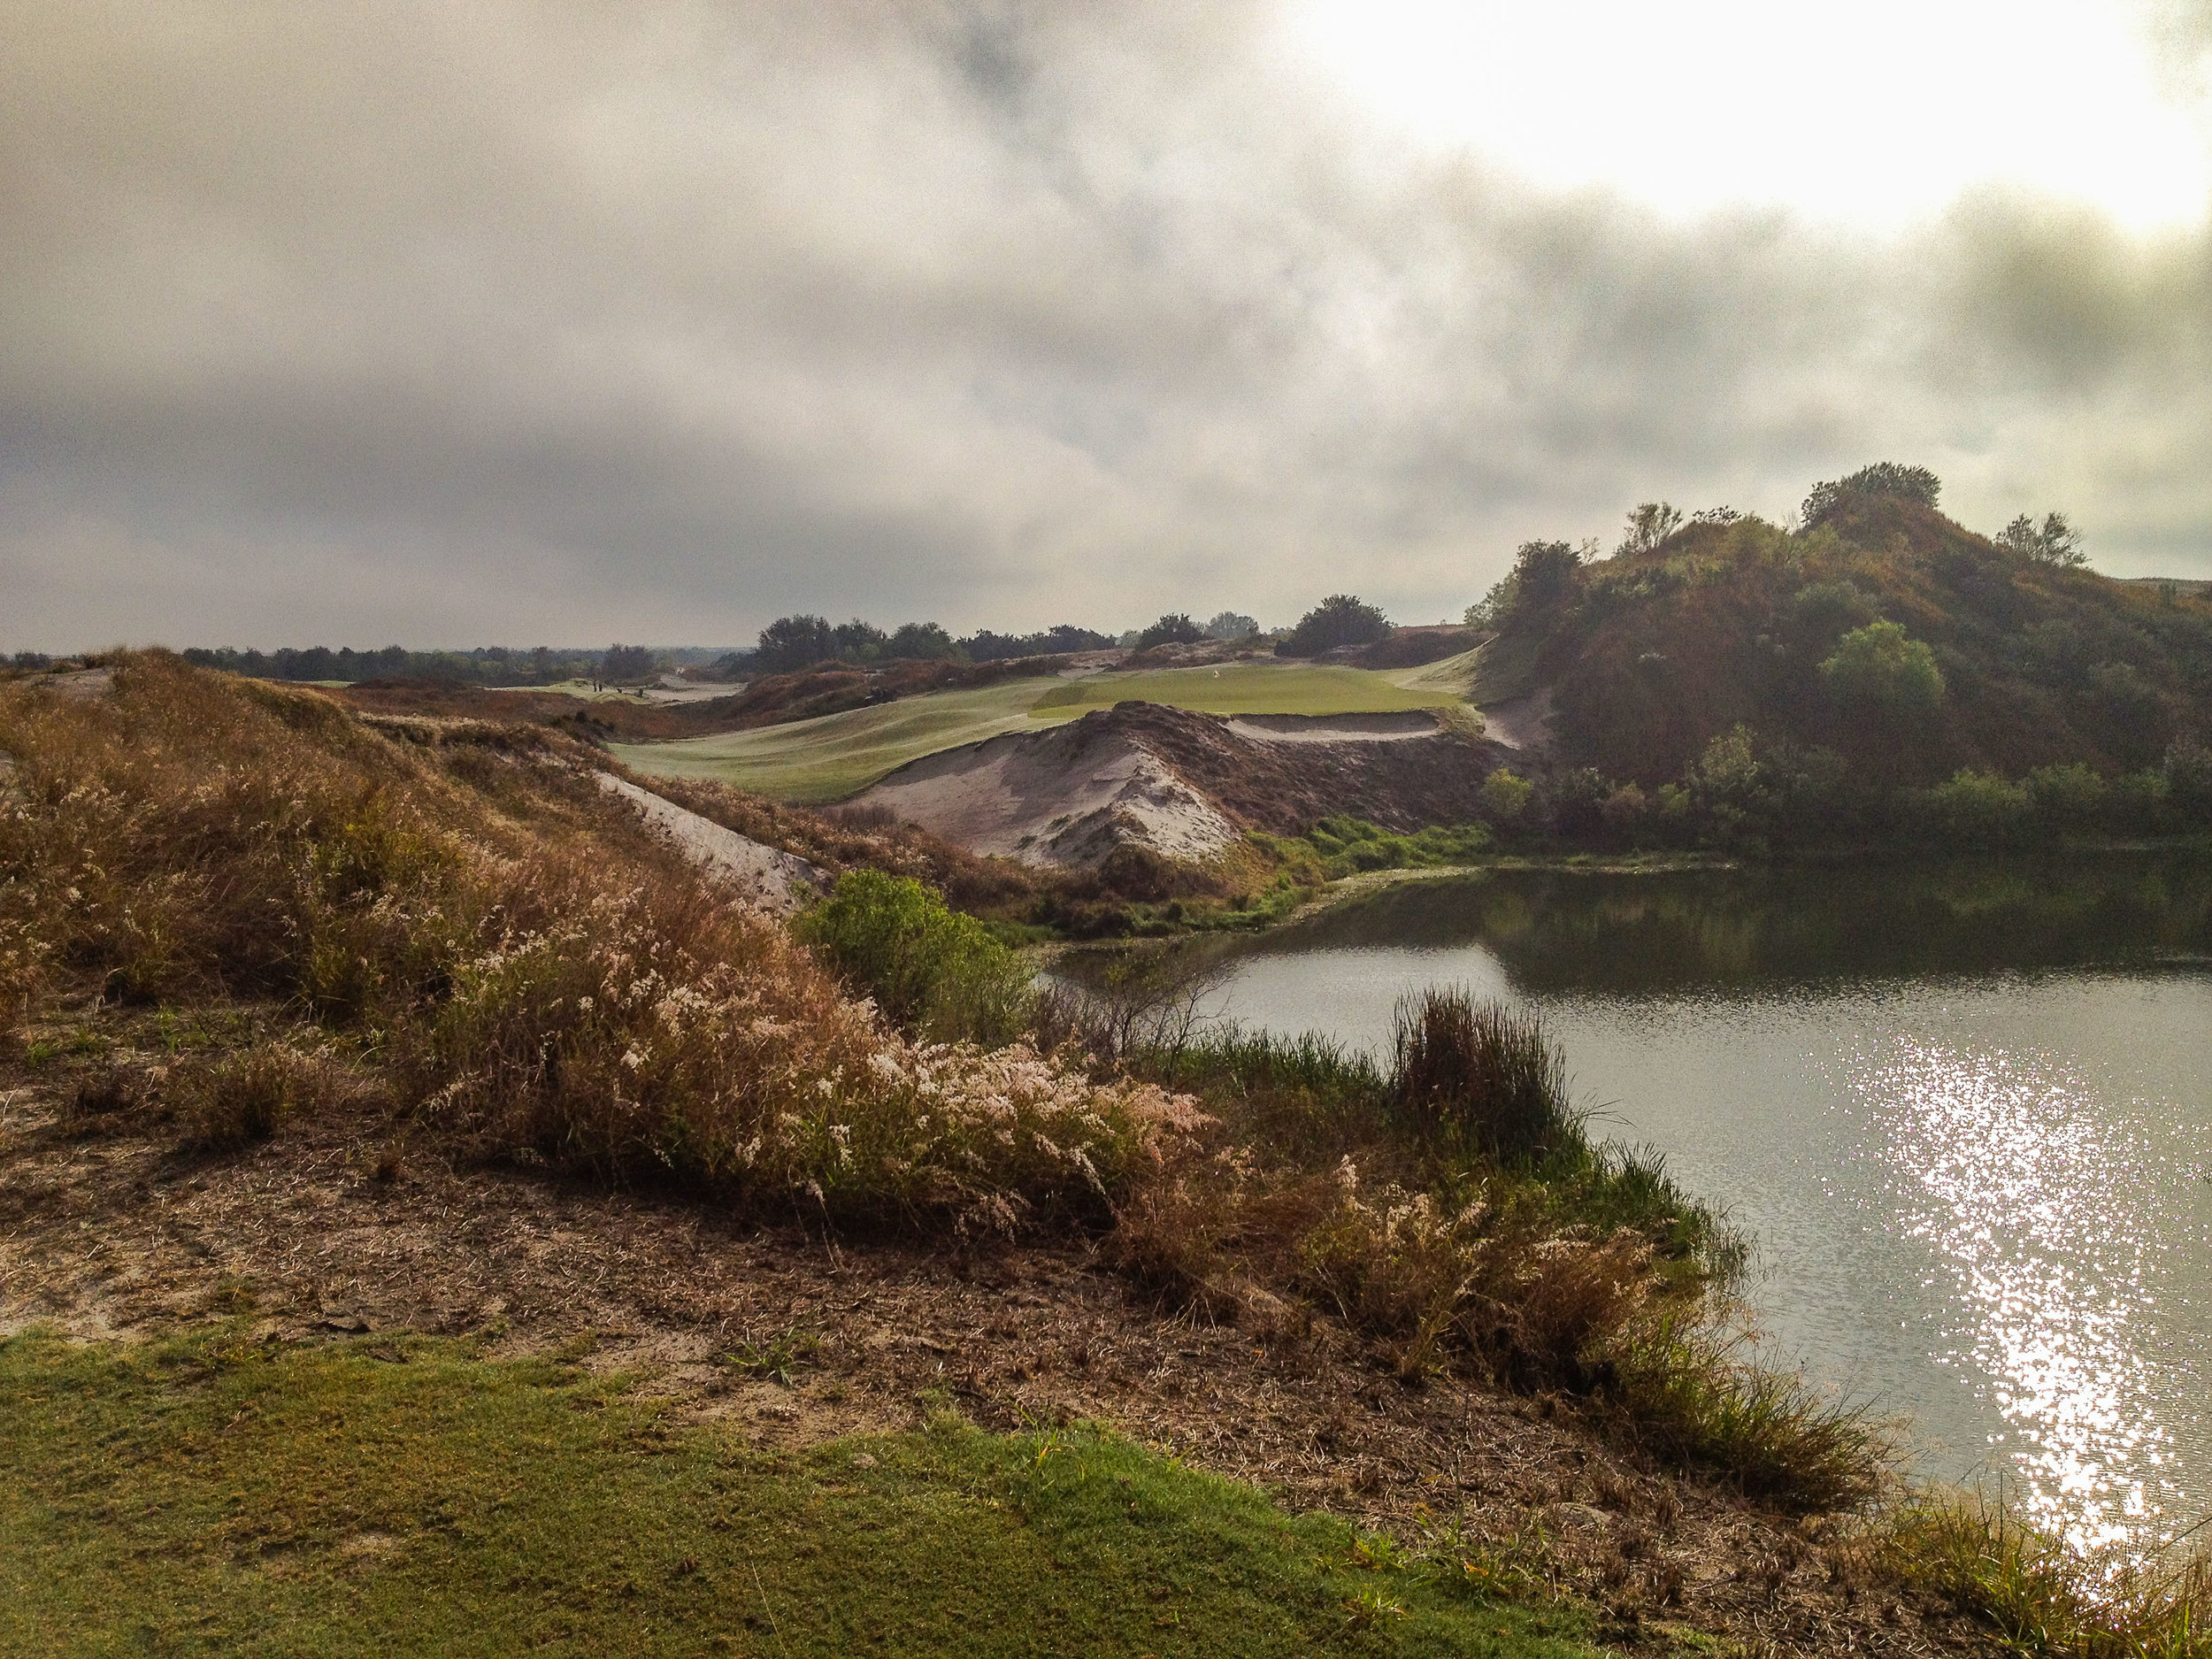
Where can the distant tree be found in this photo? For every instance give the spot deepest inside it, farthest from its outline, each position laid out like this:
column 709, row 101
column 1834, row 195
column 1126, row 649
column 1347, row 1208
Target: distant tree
column 857, row 642
column 1878, row 668
column 790, row 644
column 1065, row 637
column 1340, row 620
column 2053, row 542
column 1889, row 479
column 987, row 647
column 1227, row 624
column 623, row 663
column 1542, row 573
column 924, row 641
column 1651, row 524
column 1175, row 628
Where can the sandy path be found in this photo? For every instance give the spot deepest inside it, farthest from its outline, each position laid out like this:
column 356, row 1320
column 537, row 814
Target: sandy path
column 771, row 878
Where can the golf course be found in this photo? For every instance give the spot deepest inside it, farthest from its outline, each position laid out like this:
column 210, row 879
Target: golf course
column 834, row 755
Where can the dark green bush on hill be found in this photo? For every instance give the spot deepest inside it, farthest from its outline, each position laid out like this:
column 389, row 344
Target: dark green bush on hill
column 1888, row 479
column 1886, row 634
column 1877, row 669
column 1340, row 620
column 1175, row 628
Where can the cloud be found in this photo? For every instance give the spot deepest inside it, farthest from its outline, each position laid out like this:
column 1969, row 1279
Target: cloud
column 452, row 325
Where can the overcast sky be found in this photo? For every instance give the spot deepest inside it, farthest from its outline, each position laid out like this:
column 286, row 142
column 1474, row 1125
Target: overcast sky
column 450, row 324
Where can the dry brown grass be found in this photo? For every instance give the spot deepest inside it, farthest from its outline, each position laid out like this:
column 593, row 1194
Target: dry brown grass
column 223, row 1102
column 514, row 952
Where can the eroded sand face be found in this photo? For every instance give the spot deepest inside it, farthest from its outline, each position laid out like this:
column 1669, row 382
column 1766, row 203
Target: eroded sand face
column 1065, row 797
column 773, row 879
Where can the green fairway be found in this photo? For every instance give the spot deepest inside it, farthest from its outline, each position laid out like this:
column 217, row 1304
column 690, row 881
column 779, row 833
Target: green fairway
column 834, row 755
column 397, row 1495
column 1248, row 688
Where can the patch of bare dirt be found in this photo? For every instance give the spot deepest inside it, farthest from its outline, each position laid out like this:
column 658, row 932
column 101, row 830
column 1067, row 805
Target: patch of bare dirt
column 334, row 1229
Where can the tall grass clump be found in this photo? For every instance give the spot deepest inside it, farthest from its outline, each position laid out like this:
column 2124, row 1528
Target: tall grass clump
column 1677, row 1386
column 527, row 961
column 2043, row 1598
column 1480, row 1076
column 930, row 968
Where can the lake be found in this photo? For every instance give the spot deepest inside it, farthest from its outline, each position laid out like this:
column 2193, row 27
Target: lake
column 1964, row 1112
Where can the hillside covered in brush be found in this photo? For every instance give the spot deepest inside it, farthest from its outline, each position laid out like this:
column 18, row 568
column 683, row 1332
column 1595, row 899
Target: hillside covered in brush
column 1878, row 653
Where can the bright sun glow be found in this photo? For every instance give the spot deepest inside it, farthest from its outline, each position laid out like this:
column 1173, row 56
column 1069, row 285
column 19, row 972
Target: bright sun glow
column 1877, row 113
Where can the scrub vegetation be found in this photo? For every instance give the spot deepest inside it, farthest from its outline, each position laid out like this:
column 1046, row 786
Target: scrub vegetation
column 449, row 934
column 1881, row 675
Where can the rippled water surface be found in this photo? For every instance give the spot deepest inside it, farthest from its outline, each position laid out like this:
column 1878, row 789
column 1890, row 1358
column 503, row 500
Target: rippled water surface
column 1967, row 1114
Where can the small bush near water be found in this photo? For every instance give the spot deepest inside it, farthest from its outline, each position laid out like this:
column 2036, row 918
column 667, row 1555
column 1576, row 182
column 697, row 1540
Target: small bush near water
column 1450, row 1205
column 1479, row 1075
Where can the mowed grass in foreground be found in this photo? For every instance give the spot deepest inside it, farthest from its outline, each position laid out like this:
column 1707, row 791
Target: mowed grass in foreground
column 834, row 755
column 395, row 1496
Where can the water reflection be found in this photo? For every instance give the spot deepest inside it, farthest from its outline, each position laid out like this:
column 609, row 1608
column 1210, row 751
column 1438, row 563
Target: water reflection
column 1585, row 933
column 1967, row 1111
column 2027, row 1187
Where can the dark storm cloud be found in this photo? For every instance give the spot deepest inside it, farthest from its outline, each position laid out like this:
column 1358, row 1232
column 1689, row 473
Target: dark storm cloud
column 450, row 324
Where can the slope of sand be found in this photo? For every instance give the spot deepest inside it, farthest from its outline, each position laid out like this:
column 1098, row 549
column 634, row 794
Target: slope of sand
column 1066, row 796
column 766, row 876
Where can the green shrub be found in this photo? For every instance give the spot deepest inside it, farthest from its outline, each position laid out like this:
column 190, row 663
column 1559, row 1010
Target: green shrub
column 1479, row 1076
column 1506, row 795
column 2068, row 797
column 1879, row 668
column 929, row 969
column 1977, row 809
column 1348, row 845
column 1340, row 620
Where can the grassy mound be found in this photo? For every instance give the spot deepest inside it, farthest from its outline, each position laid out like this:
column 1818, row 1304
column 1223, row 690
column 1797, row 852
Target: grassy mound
column 215, row 1495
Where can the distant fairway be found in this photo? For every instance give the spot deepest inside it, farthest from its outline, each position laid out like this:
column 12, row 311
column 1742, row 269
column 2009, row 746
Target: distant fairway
column 1246, row 688
column 833, row 755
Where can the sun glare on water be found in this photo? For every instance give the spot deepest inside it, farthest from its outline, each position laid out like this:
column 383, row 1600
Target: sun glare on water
column 1876, row 114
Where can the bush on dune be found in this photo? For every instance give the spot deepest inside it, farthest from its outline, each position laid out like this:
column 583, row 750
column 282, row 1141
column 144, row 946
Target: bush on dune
column 931, row 969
